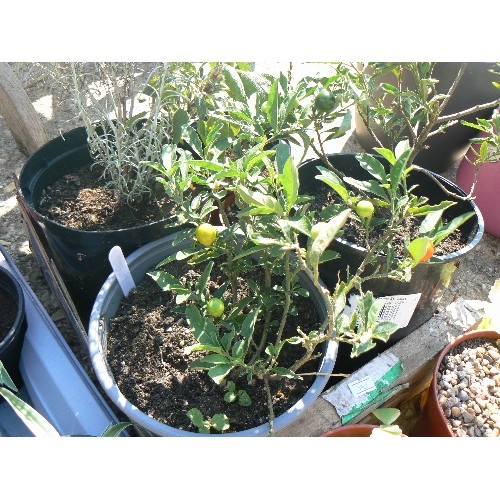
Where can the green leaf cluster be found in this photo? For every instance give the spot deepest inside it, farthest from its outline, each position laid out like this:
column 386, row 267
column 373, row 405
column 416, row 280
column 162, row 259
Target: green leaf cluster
column 232, row 154
column 362, row 327
column 219, row 421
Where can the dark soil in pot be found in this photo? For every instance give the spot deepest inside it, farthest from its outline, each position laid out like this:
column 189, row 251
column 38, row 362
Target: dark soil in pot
column 353, row 231
column 13, row 324
column 81, row 218
column 83, row 200
column 146, row 355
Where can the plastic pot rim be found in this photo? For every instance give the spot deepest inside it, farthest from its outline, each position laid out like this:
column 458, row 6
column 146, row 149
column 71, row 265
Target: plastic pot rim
column 13, row 285
column 435, row 259
column 111, row 288
column 472, row 334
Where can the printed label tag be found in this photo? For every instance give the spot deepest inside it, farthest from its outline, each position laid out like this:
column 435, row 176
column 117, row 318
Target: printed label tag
column 399, row 308
column 370, row 385
column 362, row 386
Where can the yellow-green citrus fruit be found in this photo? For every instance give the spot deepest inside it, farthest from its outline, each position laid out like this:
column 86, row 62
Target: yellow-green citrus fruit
column 206, row 234
column 365, row 209
column 324, row 101
column 215, row 307
column 316, row 229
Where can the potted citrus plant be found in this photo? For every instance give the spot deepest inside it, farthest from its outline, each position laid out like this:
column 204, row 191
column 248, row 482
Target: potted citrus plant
column 393, row 228
column 242, row 298
column 394, row 192
column 281, row 238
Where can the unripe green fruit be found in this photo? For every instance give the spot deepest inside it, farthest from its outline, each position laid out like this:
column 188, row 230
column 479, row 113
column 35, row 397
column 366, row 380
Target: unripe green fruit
column 206, row 234
column 315, row 230
column 215, row 307
column 365, row 209
column 324, row 101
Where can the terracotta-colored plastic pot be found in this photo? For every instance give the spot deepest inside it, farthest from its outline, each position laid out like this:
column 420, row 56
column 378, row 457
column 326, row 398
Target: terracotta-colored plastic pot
column 354, row 430
column 432, row 421
column 486, row 189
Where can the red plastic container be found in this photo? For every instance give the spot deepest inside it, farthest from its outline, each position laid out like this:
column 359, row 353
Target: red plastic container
column 486, row 191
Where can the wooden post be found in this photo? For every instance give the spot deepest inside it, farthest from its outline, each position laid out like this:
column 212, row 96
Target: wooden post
column 19, row 114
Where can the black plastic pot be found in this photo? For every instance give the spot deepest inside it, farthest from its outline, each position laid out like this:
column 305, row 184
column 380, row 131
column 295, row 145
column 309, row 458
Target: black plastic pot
column 12, row 343
column 430, row 279
column 81, row 257
column 474, row 88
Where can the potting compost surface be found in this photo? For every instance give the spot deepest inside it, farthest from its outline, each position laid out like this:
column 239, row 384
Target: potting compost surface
column 470, row 285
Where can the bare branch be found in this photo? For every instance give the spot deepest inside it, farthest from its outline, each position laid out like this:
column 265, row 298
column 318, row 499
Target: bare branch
column 461, row 114
column 453, row 87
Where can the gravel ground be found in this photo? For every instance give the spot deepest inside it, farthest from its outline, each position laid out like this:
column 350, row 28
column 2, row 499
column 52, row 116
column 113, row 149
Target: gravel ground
column 472, row 280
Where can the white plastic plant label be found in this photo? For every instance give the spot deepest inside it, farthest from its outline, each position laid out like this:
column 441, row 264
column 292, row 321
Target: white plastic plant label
column 367, row 387
column 122, row 272
column 397, row 308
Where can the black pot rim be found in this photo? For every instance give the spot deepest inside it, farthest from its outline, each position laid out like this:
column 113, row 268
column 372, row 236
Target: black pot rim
column 436, row 259
column 46, row 220
column 11, row 285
